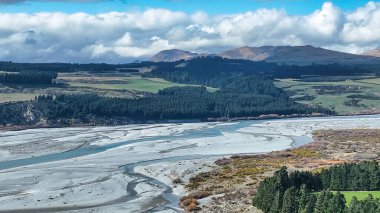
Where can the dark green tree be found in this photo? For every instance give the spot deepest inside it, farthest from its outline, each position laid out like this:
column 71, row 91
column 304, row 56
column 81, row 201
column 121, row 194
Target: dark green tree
column 337, row 204
column 355, row 206
column 303, row 198
column 310, row 206
column 289, row 204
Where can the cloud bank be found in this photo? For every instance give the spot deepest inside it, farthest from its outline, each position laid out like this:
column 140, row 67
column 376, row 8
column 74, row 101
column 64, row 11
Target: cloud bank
column 118, row 37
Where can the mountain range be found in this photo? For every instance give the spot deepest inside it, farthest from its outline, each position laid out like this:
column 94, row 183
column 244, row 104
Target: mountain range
column 300, row 55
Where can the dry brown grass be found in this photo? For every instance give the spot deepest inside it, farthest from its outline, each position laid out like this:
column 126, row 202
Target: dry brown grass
column 243, row 173
column 357, row 135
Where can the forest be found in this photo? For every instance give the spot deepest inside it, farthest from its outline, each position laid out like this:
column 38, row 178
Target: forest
column 11, row 113
column 307, row 192
column 244, row 89
column 211, row 64
column 201, row 70
column 28, row 77
column 246, row 97
column 10, row 66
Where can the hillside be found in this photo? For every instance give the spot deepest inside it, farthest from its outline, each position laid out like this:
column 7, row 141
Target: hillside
column 300, row 55
column 172, row 55
column 249, row 53
column 296, row 55
column 374, row 53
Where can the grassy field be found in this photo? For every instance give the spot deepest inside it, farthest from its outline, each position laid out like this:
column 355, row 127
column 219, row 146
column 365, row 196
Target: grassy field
column 120, row 82
column 131, row 83
column 360, row 195
column 375, row 81
column 112, row 84
column 14, row 97
column 337, row 94
column 24, row 93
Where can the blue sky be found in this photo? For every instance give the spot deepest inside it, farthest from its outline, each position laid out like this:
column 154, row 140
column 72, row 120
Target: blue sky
column 214, row 7
column 55, row 31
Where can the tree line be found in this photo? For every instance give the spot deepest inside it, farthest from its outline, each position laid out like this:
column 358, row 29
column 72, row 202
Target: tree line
column 193, row 70
column 10, row 66
column 208, row 64
column 307, row 192
column 11, row 113
column 28, row 77
column 238, row 95
column 177, row 103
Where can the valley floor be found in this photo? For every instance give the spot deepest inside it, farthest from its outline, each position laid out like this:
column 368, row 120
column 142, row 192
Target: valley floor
column 135, row 168
column 237, row 178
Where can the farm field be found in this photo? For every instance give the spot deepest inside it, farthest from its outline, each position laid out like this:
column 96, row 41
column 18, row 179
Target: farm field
column 345, row 96
column 14, row 97
column 26, row 93
column 119, row 81
column 117, row 84
column 360, row 195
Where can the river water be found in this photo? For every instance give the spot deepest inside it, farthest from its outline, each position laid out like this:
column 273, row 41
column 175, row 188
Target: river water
column 99, row 174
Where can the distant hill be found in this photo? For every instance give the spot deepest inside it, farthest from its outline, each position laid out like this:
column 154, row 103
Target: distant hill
column 249, row 53
column 173, row 55
column 296, row 55
column 374, row 53
column 300, row 55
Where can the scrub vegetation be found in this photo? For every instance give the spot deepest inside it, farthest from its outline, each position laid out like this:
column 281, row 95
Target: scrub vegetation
column 238, row 178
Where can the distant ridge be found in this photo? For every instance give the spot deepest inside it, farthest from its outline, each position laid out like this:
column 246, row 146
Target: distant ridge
column 172, row 55
column 374, row 53
column 248, row 53
column 300, row 55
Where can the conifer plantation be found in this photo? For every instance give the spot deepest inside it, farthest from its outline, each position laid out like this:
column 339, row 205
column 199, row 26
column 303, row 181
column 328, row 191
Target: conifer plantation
column 243, row 89
column 28, row 77
column 306, row 192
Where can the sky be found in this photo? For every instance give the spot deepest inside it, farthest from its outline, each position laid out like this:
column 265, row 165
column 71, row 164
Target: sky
column 119, row 31
column 214, row 7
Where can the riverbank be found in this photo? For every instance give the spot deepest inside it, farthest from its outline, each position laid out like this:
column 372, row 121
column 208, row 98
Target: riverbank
column 104, row 122
column 234, row 181
column 136, row 168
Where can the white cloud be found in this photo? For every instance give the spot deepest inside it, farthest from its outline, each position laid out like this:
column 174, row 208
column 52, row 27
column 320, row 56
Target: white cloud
column 125, row 40
column 363, row 26
column 324, row 22
column 125, row 36
column 157, row 45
